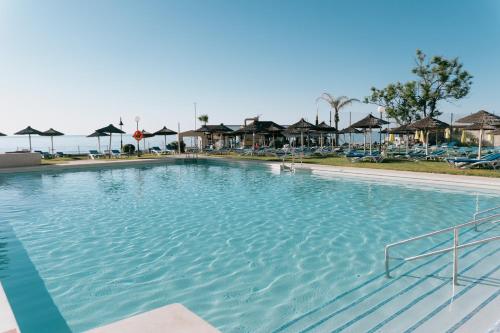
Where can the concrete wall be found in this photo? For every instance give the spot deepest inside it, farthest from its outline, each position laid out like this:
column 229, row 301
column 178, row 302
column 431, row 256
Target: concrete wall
column 20, row 160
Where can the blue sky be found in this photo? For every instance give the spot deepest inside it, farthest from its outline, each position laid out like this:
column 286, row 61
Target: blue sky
column 78, row 65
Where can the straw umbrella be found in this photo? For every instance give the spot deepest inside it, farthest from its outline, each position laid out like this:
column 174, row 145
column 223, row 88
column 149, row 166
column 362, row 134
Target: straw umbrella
column 481, row 117
column 481, row 127
column 369, row 122
column 29, row 131
column 427, row 124
column 52, row 133
column 165, row 131
column 145, row 135
column 350, row 131
column 481, row 120
column 301, row 127
column 325, row 128
column 98, row 136
column 1, row 134
column 404, row 130
column 110, row 129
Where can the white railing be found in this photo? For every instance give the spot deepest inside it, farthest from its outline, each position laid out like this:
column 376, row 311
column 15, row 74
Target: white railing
column 492, row 218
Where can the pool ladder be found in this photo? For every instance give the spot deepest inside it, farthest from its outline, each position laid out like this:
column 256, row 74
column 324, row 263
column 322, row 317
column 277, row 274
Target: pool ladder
column 488, row 215
column 290, row 168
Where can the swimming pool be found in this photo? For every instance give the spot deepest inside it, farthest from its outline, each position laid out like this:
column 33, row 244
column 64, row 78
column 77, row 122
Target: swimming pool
column 243, row 246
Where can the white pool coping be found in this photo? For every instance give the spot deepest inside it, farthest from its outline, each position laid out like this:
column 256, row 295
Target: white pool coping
column 8, row 323
column 173, row 318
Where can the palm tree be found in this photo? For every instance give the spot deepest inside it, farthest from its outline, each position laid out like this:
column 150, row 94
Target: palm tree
column 336, row 105
column 203, row 118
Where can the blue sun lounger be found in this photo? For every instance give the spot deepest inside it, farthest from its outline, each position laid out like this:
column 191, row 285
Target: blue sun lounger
column 487, row 160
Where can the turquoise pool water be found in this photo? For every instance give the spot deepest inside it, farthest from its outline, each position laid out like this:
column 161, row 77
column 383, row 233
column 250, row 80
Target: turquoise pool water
column 243, row 246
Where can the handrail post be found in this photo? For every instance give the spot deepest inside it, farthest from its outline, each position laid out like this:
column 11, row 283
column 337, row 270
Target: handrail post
column 455, row 256
column 386, row 254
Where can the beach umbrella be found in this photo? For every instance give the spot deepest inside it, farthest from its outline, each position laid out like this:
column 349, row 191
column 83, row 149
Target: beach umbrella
column 349, row 130
column 165, row 132
column 447, row 133
column 427, row 124
column 480, row 127
column 214, row 129
column 1, row 134
column 301, row 127
column 52, row 133
column 481, row 116
column 98, row 136
column 402, row 130
column 145, row 135
column 110, row 129
column 463, row 138
column 369, row 122
column 29, row 131
column 326, row 129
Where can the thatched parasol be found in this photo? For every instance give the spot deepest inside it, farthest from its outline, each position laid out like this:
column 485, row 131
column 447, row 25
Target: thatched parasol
column 349, row 130
column 428, row 124
column 98, row 136
column 29, row 131
column 481, row 116
column 145, row 135
column 301, row 127
column 52, row 133
column 325, row 128
column 481, row 127
column 369, row 122
column 1, row 134
column 110, row 129
column 165, row 132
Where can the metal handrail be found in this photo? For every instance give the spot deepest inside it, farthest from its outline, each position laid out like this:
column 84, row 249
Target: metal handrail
column 455, row 247
column 476, row 214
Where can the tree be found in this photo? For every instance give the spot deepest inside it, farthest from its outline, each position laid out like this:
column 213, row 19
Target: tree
column 398, row 100
column 438, row 79
column 203, row 118
column 336, row 104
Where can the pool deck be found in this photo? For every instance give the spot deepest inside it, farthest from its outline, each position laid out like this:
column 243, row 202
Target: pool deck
column 8, row 322
column 173, row 318
column 487, row 184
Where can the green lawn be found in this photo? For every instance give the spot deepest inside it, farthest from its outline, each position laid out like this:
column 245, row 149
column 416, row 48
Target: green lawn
column 388, row 164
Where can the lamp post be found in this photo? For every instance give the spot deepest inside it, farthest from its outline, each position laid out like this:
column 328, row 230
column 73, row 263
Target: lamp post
column 137, row 119
column 381, row 110
column 121, row 135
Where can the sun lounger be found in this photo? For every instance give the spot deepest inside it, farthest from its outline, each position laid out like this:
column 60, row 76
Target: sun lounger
column 474, row 162
column 94, row 154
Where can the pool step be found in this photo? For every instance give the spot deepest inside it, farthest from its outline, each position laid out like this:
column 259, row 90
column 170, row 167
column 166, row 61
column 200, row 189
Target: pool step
column 393, row 305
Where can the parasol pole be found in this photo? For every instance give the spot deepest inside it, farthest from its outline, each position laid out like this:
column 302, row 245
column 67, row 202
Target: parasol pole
column 52, row 143
column 480, row 143
column 29, row 136
column 427, row 142
column 370, row 140
column 110, row 134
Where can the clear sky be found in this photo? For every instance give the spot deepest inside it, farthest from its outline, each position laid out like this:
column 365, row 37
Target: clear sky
column 79, row 65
